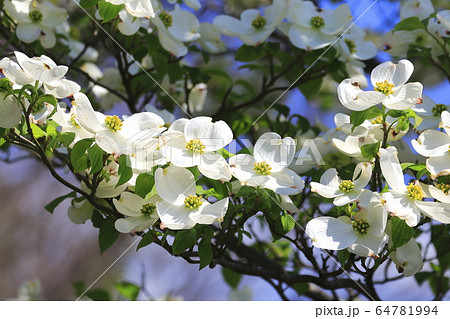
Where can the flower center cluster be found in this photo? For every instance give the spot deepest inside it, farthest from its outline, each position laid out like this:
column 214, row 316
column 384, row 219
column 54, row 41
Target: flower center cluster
column 444, row 187
column 196, row 146
column 346, row 186
column 262, row 168
column 360, row 225
column 148, row 209
column 377, row 120
column 73, row 120
column 193, row 201
column 114, row 123
column 415, row 191
column 317, row 22
column 37, row 107
column 35, row 16
column 351, row 46
column 166, row 19
column 384, row 87
column 259, row 22
column 438, row 109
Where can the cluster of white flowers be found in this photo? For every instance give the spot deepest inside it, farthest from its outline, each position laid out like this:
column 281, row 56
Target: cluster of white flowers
column 152, row 143
column 365, row 228
column 397, row 43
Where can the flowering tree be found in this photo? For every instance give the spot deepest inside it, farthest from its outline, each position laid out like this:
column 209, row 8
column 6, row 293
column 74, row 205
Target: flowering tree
column 180, row 134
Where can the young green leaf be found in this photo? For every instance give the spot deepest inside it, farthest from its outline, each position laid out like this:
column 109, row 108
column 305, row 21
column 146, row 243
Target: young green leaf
column 37, row 131
column 370, row 150
column 128, row 290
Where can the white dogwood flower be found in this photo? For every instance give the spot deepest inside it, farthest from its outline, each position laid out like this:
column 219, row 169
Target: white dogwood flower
column 343, row 191
column 114, row 135
column 363, row 234
column 421, row 9
column 390, row 88
column 406, row 201
column 253, row 28
column 408, row 258
column 353, row 45
column 430, row 112
column 268, row 167
column 443, row 17
column 69, row 123
column 194, row 142
column 42, row 69
column 436, row 146
column 175, row 28
column 140, row 213
column 441, row 192
column 313, row 28
column 181, row 208
column 210, row 38
column 36, row 20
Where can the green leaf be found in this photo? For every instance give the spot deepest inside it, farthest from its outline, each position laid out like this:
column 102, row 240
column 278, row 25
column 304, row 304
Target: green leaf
column 370, row 150
column 97, row 219
column 310, row 88
column 51, row 206
column 108, row 11
column 412, row 166
column 231, row 277
column 128, row 290
column 247, row 53
column 47, row 98
column 401, row 233
column 241, row 125
column 146, row 240
column 78, row 152
column 205, row 252
column 183, row 240
column 144, row 184
column 301, row 288
column 125, row 171
column 220, row 73
column 220, row 189
column 107, row 235
column 98, row 295
column 358, row 117
column 409, row 24
column 88, row 3
column 67, row 138
column 96, row 158
column 287, row 222
column 37, row 131
column 343, row 255
column 402, row 124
